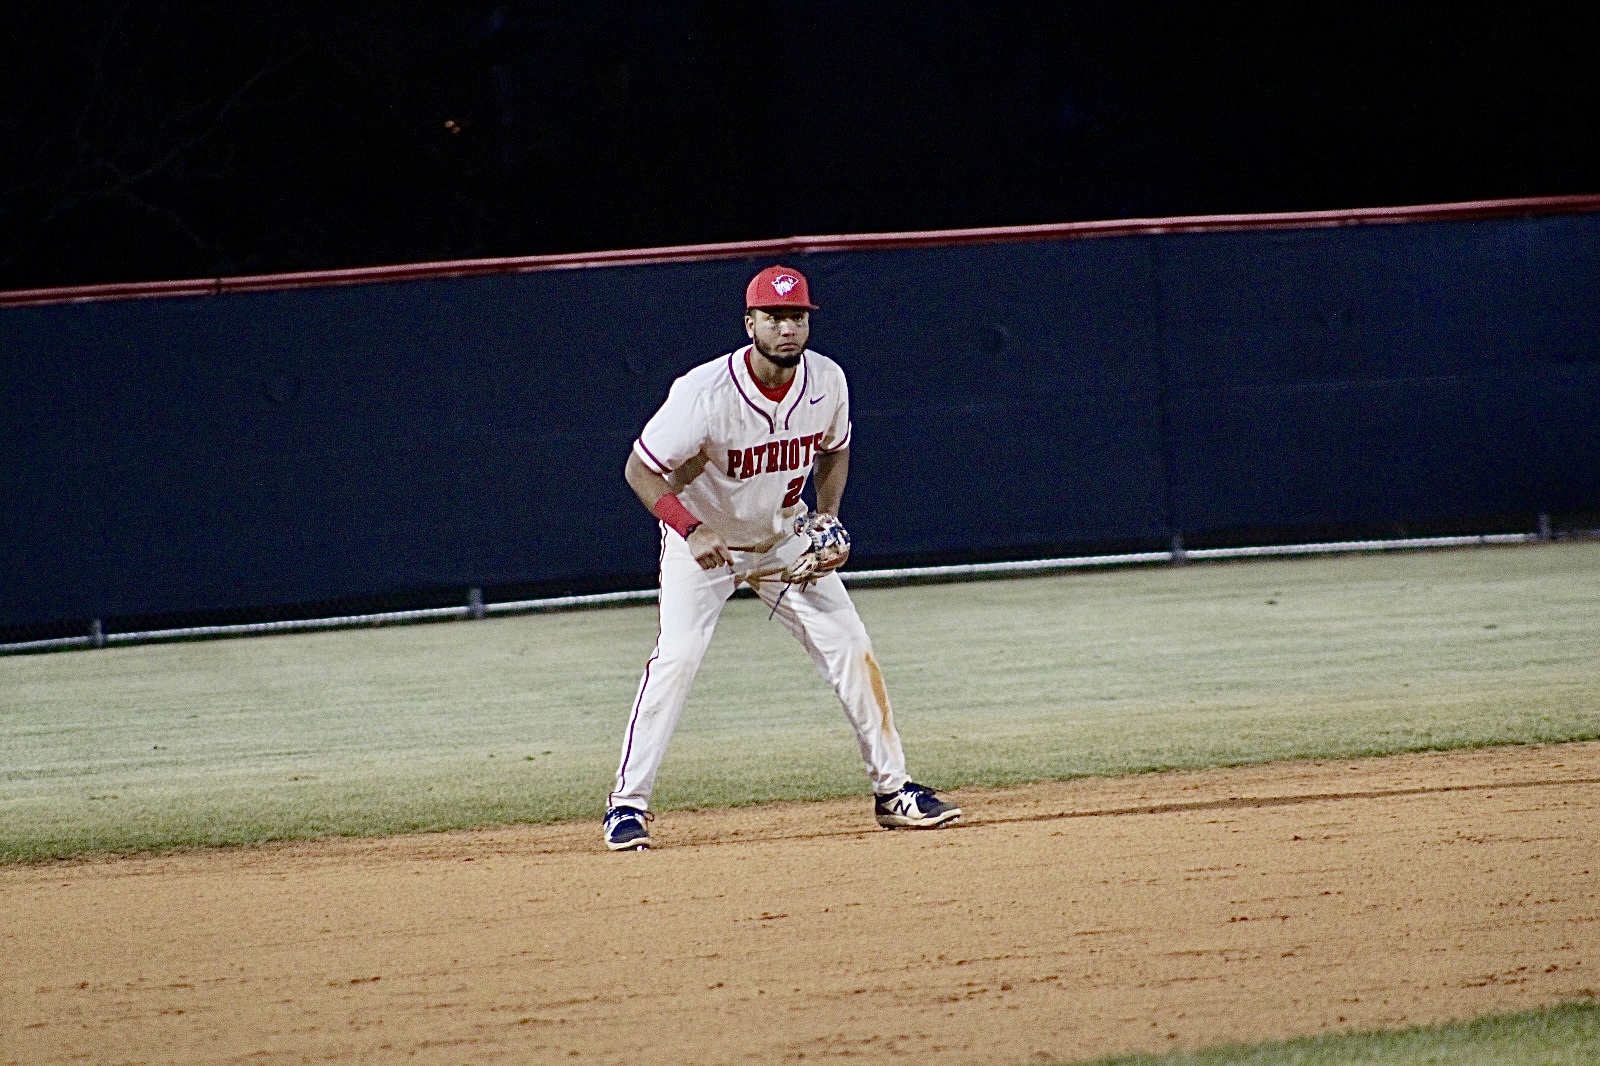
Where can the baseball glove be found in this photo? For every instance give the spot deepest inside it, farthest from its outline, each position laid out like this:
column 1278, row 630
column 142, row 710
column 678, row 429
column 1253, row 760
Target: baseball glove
column 829, row 548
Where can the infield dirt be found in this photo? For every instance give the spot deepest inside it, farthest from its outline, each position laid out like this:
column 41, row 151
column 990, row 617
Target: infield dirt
column 1055, row 922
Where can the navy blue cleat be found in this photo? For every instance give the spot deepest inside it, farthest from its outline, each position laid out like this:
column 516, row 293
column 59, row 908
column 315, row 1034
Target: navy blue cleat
column 914, row 807
column 625, row 829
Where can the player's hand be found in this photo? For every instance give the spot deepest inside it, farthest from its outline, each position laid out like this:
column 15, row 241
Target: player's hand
column 708, row 548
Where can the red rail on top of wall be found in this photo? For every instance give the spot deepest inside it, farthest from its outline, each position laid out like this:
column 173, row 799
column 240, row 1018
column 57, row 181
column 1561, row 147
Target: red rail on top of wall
column 793, row 246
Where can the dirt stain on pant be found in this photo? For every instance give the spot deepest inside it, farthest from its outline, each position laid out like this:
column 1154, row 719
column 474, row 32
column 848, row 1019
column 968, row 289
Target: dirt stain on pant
column 880, row 692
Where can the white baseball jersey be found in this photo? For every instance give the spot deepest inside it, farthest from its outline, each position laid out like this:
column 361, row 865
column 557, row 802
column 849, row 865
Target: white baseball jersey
column 738, row 460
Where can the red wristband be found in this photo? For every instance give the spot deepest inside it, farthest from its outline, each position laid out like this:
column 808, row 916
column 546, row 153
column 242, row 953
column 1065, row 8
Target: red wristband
column 672, row 511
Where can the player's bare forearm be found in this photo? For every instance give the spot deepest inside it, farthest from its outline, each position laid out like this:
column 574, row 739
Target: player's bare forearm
column 648, row 485
column 830, row 475
column 707, row 545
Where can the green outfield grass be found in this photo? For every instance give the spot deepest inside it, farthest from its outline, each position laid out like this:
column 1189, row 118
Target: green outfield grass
column 385, row 730
column 1558, row 1036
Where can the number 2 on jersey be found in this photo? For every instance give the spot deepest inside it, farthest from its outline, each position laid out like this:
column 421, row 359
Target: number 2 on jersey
column 792, row 497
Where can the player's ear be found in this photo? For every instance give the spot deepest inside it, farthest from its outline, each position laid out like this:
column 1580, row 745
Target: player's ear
column 749, row 325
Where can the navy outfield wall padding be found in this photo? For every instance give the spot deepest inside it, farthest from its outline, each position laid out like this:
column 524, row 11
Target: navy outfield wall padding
column 274, row 448
column 993, row 389
column 263, row 448
column 1386, row 374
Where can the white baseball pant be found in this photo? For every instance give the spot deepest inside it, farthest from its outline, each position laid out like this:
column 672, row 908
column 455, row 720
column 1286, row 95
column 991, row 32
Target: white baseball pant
column 820, row 615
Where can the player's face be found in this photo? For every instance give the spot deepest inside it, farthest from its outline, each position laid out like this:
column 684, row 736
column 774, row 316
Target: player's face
column 779, row 334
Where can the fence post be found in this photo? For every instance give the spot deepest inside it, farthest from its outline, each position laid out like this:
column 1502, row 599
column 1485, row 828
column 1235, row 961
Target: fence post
column 475, row 602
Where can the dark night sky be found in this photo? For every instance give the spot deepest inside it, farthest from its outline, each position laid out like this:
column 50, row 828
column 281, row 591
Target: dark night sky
column 154, row 140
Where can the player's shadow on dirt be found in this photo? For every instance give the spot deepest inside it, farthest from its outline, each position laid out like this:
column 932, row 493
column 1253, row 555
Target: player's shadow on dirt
column 1249, row 802
column 1172, row 807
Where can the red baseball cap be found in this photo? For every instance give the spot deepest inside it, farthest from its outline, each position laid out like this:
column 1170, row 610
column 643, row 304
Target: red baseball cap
column 779, row 286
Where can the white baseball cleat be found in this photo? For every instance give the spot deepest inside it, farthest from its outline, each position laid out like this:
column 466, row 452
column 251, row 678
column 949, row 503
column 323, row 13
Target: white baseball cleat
column 914, row 807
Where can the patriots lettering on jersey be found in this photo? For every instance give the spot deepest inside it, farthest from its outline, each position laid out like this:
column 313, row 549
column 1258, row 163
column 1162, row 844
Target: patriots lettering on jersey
column 773, row 457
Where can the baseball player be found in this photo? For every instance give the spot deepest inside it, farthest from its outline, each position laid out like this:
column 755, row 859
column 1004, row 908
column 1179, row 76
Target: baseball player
column 722, row 465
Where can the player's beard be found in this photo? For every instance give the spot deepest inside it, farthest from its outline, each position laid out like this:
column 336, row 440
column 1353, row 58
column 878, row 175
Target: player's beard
column 785, row 361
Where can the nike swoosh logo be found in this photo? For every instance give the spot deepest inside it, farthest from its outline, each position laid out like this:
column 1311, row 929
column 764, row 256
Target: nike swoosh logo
column 819, row 399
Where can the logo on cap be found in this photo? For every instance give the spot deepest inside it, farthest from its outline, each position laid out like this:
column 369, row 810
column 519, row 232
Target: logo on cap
column 784, row 284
